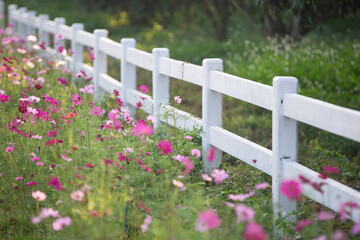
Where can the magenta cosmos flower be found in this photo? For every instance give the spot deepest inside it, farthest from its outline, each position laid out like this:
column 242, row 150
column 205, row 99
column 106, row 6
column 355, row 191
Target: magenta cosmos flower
column 165, row 147
column 207, row 220
column 291, row 189
column 55, row 183
column 144, row 88
column 254, row 231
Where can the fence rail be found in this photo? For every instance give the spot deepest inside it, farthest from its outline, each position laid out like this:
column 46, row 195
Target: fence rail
column 282, row 99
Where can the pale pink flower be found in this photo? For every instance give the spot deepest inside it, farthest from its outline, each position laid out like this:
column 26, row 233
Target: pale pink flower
column 207, row 220
column 32, row 38
column 77, row 195
column 188, row 137
column 40, row 164
column 60, row 37
column 219, row 175
column 178, row 183
column 66, row 158
column 178, row 157
column 38, row 195
column 339, row 235
column 254, row 231
column 151, row 118
column 146, row 223
column 61, row 222
column 324, row 216
column 196, row 152
column 48, row 212
column 188, row 164
column 263, row 185
column 291, row 189
column 241, row 197
column 206, row 177
column 230, row 204
column 177, row 99
column 321, row 237
column 244, row 213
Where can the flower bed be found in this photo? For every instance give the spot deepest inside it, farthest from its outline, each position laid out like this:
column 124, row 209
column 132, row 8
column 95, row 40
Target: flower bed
column 72, row 168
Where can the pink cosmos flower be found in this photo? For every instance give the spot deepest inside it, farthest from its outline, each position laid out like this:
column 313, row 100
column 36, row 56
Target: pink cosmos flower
column 339, row 235
column 18, row 178
column 61, row 49
column 211, row 154
column 263, row 185
column 151, row 118
column 331, row 169
column 188, row 164
column 321, row 237
column 219, row 175
column 178, row 183
column 165, row 147
column 244, row 213
column 188, row 137
column 241, row 197
column 144, row 88
column 196, row 152
column 60, row 37
column 142, row 129
column 32, row 38
column 291, row 189
column 66, row 158
column 207, row 220
column 96, row 111
column 55, row 183
column 145, row 225
column 77, row 195
column 177, row 99
column 303, row 223
column 342, row 209
column 77, row 100
column 324, row 216
column 4, row 98
column 40, row 164
column 31, row 183
column 254, row 231
column 356, row 228
column 206, row 177
column 38, row 195
column 61, row 222
column 139, row 104
column 9, row 149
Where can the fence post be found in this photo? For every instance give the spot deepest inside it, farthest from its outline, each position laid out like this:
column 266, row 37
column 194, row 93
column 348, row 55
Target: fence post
column 2, row 13
column 211, row 111
column 57, row 43
column 11, row 9
column 77, row 48
column 30, row 30
column 128, row 73
column 161, row 84
column 43, row 35
column 284, row 142
column 100, row 62
column 20, row 25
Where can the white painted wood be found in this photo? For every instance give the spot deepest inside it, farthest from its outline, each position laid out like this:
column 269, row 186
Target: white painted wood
column 76, row 47
column 108, row 83
column 329, row 117
column 211, row 111
column 49, row 26
column 161, row 84
column 43, row 35
column 334, row 194
column 242, row 149
column 284, row 140
column 134, row 96
column 2, row 12
column 85, row 38
column 58, row 43
column 35, row 22
column 110, row 48
column 21, row 26
column 178, row 118
column 100, row 63
column 66, row 31
column 182, row 70
column 242, row 89
column 140, row 58
column 128, row 73
column 30, row 30
column 11, row 9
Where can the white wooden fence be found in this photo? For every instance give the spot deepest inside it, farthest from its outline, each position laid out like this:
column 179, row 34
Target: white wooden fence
column 287, row 106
